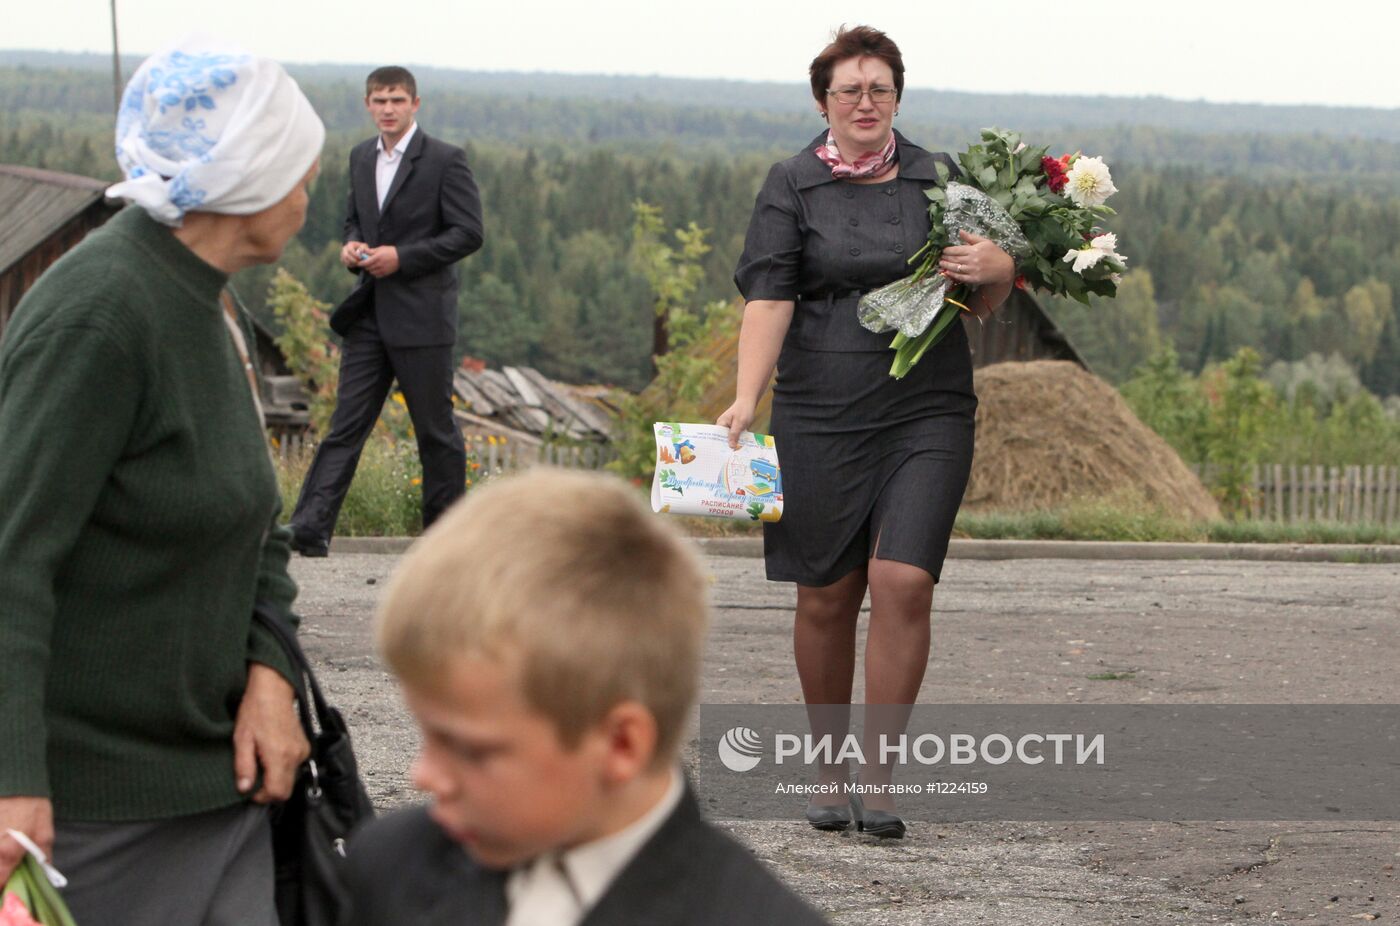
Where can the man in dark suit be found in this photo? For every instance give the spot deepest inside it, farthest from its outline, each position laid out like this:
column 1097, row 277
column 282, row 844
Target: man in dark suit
column 413, row 213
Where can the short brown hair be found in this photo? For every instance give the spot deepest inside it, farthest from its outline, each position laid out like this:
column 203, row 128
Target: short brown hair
column 391, row 76
column 856, row 42
column 570, row 574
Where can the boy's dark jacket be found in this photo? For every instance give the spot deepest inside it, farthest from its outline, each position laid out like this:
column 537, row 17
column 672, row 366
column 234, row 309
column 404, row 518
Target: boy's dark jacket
column 403, row 869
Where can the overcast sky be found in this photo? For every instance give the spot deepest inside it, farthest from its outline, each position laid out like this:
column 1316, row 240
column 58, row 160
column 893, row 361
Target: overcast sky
column 1285, row 51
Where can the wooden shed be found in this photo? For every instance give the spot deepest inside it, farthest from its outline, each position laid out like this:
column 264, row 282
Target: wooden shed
column 1021, row 330
column 45, row 214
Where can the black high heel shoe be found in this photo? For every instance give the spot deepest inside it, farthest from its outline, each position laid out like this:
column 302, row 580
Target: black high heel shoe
column 833, row 818
column 879, row 823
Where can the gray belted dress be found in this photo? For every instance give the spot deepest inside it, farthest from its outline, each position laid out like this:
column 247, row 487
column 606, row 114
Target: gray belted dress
column 872, row 466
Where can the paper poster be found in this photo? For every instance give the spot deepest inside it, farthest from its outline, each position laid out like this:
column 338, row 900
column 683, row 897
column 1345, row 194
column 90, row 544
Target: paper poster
column 697, row 473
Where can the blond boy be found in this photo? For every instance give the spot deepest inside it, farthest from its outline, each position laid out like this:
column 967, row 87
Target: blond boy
column 547, row 633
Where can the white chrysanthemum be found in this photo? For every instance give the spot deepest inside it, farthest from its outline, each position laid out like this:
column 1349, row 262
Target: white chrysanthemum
column 1088, row 182
column 1103, row 246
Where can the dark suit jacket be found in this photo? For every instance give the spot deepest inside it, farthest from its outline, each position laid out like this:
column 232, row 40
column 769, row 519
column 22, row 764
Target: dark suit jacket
column 433, row 216
column 402, row 869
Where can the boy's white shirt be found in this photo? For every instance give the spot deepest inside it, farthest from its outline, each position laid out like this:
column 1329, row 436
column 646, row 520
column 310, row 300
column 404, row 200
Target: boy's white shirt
column 559, row 888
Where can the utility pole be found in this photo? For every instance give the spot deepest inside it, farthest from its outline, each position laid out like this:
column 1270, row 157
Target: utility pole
column 116, row 64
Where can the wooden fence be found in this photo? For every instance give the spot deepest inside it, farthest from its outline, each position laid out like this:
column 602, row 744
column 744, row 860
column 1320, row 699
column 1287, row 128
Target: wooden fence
column 494, row 455
column 1345, row 494
column 490, row 454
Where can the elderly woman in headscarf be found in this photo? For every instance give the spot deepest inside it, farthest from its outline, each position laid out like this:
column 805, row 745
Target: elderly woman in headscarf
column 144, row 716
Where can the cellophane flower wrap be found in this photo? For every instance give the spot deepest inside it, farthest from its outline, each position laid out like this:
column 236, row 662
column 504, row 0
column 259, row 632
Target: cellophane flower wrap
column 29, row 899
column 1043, row 211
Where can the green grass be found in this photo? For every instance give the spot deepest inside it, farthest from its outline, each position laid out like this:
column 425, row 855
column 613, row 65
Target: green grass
column 1086, row 520
column 386, row 498
column 1097, row 520
column 1112, row 677
column 1314, row 532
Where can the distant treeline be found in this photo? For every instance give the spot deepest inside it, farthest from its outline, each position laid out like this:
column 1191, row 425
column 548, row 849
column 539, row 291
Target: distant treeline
column 1287, row 244
column 1027, row 112
column 713, row 119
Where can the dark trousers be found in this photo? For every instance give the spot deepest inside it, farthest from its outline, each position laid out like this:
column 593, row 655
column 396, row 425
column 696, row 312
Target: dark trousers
column 367, row 369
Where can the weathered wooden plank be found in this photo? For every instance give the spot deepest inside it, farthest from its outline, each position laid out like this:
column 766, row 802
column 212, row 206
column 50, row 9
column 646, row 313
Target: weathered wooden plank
column 1392, row 508
column 497, row 388
column 1368, row 508
column 492, row 427
column 545, row 391
column 465, row 385
column 570, row 415
column 1354, row 483
column 527, row 392
column 1320, row 488
column 1334, row 498
column 1294, row 491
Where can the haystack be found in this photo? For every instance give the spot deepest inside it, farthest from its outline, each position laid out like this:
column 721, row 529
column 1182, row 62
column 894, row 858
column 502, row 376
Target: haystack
column 1050, row 433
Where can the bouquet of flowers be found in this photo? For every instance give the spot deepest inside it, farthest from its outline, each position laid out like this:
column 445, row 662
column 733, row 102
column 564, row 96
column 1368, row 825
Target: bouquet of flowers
column 1043, row 211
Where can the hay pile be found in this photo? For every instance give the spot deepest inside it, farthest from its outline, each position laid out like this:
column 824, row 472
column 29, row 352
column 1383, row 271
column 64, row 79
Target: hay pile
column 1049, row 434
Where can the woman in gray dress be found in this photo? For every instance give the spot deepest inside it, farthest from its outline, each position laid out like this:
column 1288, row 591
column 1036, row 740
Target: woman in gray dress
column 874, row 468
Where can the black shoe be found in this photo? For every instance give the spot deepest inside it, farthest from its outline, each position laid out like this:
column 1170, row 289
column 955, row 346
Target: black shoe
column 879, row 823
column 833, row 818
column 309, row 545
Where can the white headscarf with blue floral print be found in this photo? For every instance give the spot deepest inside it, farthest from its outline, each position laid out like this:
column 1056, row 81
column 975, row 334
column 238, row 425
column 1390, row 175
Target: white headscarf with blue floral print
column 204, row 126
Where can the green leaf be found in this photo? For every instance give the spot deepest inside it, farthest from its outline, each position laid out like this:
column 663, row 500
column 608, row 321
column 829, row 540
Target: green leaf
column 987, row 178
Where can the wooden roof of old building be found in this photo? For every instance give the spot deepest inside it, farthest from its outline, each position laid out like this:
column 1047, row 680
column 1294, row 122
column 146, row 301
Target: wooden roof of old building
column 36, row 204
column 521, row 402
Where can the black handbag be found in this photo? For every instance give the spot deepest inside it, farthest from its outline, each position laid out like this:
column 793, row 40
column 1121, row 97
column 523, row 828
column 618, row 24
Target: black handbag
column 328, row 801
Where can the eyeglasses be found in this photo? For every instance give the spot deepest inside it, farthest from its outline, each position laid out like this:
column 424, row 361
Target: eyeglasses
column 851, row 95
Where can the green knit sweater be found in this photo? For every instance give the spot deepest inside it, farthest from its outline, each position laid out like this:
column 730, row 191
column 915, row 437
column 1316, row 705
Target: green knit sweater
column 137, row 528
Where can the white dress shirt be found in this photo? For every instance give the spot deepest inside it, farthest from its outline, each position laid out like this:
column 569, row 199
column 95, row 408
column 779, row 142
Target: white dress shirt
column 559, row 888
column 387, row 163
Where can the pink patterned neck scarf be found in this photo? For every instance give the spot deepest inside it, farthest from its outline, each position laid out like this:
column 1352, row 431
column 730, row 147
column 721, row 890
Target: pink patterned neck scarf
column 870, row 164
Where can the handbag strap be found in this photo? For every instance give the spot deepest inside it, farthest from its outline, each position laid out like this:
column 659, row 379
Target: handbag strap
column 301, row 668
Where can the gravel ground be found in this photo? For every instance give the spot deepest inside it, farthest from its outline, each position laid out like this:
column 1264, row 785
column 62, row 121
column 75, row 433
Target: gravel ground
column 1017, row 632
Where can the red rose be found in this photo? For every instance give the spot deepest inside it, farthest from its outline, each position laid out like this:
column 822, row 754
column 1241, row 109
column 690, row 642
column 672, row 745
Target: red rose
column 1020, row 282
column 1054, row 174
